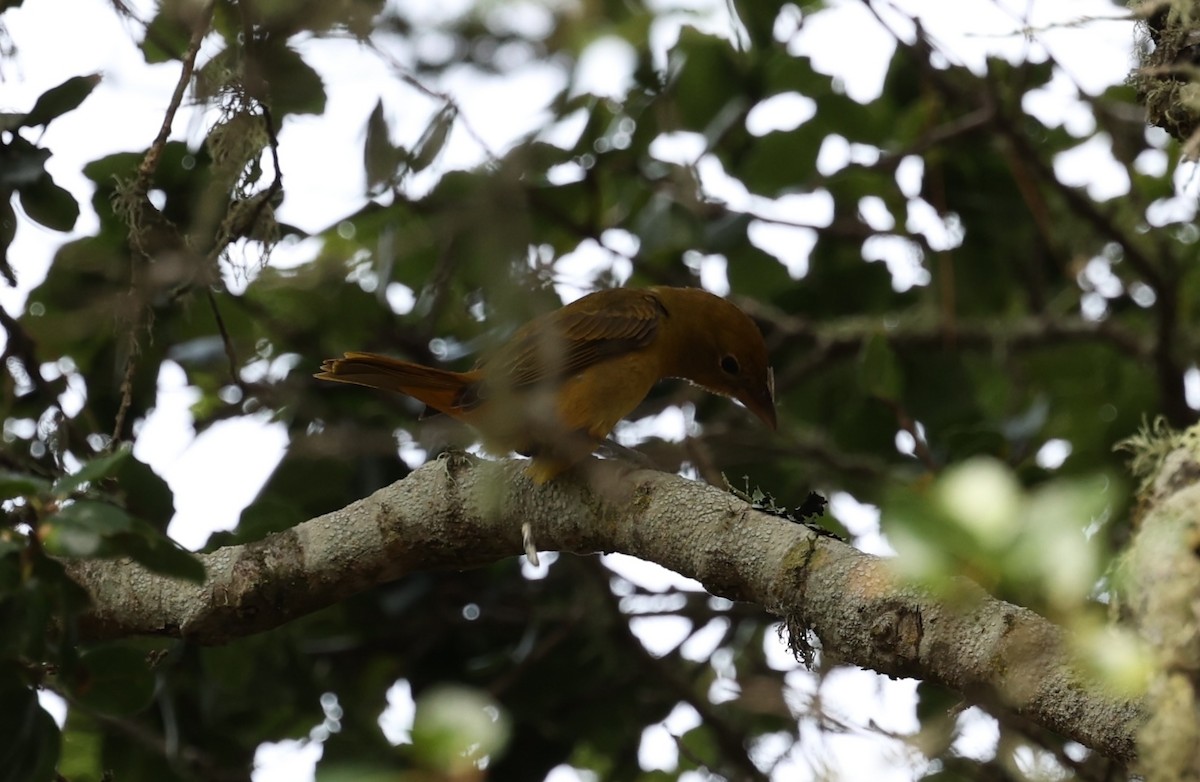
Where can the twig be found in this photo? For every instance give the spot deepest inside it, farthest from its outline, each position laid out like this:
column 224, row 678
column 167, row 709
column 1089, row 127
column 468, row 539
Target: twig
column 230, row 353
column 150, row 162
column 141, row 187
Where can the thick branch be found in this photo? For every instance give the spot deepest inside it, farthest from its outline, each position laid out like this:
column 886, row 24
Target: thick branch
column 460, row 513
column 1160, row 571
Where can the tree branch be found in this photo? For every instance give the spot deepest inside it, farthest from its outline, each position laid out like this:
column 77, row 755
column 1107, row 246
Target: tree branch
column 459, row 513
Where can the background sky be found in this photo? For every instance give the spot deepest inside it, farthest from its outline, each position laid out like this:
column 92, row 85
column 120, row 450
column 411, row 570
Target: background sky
column 321, row 158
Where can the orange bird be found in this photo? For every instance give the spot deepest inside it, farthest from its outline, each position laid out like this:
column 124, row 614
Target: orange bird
column 559, row 385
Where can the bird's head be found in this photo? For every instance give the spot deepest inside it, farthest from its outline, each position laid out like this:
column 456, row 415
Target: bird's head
column 724, row 352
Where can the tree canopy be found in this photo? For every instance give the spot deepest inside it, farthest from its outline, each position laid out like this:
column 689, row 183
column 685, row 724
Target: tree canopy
column 993, row 355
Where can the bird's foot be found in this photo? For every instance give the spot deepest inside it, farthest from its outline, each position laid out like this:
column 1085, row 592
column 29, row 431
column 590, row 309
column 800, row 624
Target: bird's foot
column 611, row 449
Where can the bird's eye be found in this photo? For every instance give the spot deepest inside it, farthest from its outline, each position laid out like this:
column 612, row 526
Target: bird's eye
column 730, row 365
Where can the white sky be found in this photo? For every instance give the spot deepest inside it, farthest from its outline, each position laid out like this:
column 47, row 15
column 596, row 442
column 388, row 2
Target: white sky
column 238, row 455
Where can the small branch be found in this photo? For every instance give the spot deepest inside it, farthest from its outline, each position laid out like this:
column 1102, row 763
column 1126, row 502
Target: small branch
column 126, row 392
column 1159, row 573
column 833, row 340
column 1158, row 275
column 226, row 340
column 461, row 513
column 150, row 162
column 144, row 213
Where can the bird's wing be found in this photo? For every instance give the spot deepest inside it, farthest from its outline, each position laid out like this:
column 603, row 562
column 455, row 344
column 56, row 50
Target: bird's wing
column 559, row 344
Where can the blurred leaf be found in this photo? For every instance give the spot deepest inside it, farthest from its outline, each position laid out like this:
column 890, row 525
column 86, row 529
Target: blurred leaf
column 167, row 35
column 8, row 229
column 753, row 272
column 781, row 161
column 455, row 726
column 706, row 78
column 95, row 470
column 80, row 529
column 380, row 155
column 274, row 73
column 29, row 737
column 89, row 528
column 144, row 493
column 113, row 679
column 160, row 554
column 57, row 101
column 49, row 204
column 82, row 748
column 426, row 150
column 759, row 19
column 21, row 164
column 879, row 370
column 15, row 484
column 355, row 772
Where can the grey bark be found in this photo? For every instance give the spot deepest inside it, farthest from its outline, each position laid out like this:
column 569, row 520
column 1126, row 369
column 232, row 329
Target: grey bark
column 462, row 513
column 1160, row 573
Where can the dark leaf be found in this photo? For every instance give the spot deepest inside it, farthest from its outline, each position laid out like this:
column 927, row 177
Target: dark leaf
column 155, row 551
column 144, row 493
column 113, row 679
column 15, row 484
column 8, row 229
column 81, row 528
column 21, row 164
column 59, row 100
column 29, row 738
column 706, row 78
column 49, row 204
column 426, row 150
column 380, row 155
column 167, row 35
column 879, row 370
column 97, row 469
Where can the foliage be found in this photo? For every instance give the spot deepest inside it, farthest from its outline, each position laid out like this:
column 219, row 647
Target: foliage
column 974, row 313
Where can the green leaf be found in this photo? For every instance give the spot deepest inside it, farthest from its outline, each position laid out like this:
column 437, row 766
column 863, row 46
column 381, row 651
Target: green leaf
column 113, row 679
column 8, row 229
column 29, row 738
column 80, row 529
column 295, row 87
column 21, row 164
column 707, row 78
column 10, row 120
column 15, row 484
column 759, row 20
column 753, row 272
column 144, row 493
column 8, row 546
column 433, row 139
column 97, row 469
column 380, row 155
column 355, row 772
column 167, row 35
column 158, row 553
column 57, row 101
column 879, row 371
column 89, row 528
column 49, row 204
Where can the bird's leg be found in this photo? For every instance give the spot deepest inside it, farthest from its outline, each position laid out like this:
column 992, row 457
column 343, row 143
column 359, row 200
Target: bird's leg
column 611, row 449
column 531, row 552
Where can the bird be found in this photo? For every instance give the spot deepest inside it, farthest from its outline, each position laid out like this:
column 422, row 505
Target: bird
column 556, row 388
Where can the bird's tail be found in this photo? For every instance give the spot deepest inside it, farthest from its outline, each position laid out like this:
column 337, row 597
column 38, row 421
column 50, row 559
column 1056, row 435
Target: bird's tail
column 443, row 390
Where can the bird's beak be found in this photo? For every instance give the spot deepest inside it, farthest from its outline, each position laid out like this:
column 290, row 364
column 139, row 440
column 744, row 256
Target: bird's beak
column 761, row 401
